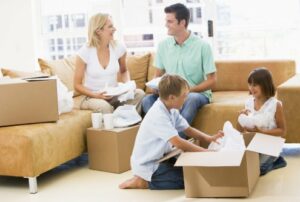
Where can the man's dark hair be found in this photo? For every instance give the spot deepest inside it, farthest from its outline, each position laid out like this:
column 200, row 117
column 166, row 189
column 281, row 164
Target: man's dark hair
column 181, row 12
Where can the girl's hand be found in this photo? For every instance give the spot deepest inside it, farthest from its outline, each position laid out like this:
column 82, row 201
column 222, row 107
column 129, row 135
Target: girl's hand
column 244, row 111
column 102, row 95
column 255, row 129
column 215, row 137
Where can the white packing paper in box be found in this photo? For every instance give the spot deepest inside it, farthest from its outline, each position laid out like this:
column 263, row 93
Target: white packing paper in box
column 261, row 143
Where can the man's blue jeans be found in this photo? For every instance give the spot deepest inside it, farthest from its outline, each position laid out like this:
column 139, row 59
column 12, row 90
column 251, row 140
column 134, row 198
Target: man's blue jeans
column 167, row 176
column 189, row 109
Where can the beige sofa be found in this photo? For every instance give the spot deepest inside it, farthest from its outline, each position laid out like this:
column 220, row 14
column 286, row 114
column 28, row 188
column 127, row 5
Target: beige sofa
column 30, row 150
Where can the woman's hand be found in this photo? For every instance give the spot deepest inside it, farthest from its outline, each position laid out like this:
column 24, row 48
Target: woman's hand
column 102, row 95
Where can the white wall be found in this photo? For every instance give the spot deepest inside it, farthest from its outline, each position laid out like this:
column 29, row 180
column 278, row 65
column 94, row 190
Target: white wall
column 17, row 35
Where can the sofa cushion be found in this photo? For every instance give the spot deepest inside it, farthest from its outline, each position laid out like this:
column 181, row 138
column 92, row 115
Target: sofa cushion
column 16, row 74
column 233, row 75
column 151, row 71
column 225, row 106
column 31, row 149
column 63, row 68
column 138, row 69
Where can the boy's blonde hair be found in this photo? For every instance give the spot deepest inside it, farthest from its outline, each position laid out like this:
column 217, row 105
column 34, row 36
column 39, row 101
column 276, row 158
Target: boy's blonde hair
column 171, row 85
column 96, row 22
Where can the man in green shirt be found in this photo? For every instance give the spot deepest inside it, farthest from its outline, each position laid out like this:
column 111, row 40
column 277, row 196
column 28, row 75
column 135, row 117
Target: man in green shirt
column 186, row 55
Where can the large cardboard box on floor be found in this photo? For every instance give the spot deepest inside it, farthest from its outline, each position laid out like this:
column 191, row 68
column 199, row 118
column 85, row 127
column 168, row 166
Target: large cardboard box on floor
column 227, row 173
column 24, row 102
column 110, row 150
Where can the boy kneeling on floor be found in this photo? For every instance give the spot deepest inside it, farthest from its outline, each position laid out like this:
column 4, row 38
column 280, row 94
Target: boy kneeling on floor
column 158, row 133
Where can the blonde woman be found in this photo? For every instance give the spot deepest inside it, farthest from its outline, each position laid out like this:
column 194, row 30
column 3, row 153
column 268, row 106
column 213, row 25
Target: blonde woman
column 98, row 64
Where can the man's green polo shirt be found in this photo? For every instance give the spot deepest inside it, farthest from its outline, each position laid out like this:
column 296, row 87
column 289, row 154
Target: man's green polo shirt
column 192, row 60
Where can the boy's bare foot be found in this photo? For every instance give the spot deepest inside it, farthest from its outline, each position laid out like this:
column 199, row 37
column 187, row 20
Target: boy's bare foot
column 134, row 183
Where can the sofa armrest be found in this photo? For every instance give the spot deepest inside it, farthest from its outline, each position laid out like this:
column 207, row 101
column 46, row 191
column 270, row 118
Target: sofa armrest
column 289, row 93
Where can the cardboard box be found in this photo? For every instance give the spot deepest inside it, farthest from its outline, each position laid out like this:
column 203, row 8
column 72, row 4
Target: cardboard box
column 110, row 150
column 227, row 173
column 24, row 102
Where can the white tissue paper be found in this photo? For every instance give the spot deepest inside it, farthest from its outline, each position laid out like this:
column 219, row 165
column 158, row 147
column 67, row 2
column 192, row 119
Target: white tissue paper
column 232, row 140
column 246, row 120
column 251, row 121
column 129, row 95
column 65, row 97
column 126, row 115
column 153, row 83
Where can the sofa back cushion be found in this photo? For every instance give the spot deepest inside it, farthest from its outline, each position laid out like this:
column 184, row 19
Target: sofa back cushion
column 138, row 69
column 63, row 68
column 151, row 71
column 19, row 74
column 233, row 75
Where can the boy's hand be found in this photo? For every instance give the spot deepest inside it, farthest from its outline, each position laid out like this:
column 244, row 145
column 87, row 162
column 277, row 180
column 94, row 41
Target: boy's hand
column 215, row 137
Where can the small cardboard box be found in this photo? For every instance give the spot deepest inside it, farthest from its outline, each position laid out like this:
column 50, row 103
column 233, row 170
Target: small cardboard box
column 23, row 102
column 110, row 150
column 227, row 173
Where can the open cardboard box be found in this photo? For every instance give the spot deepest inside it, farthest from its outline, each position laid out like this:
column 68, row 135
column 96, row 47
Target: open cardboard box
column 227, row 173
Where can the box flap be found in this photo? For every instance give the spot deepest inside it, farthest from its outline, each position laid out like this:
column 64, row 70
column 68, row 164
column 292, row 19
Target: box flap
column 266, row 144
column 171, row 154
column 210, row 159
column 174, row 152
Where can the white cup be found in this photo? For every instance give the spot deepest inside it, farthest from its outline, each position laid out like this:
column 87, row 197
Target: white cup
column 108, row 121
column 97, row 120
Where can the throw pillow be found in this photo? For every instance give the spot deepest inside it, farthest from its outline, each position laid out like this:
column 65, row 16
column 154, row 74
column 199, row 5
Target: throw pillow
column 138, row 69
column 63, row 68
column 17, row 74
column 151, row 71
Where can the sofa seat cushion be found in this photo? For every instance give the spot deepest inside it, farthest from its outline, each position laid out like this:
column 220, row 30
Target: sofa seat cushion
column 225, row 106
column 29, row 150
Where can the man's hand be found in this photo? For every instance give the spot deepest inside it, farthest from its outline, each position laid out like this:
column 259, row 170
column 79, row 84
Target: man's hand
column 244, row 111
column 153, row 91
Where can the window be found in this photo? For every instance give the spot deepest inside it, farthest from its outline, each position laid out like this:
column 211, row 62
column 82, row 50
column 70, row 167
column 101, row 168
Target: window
column 257, row 29
column 64, row 24
column 78, row 20
column 145, row 32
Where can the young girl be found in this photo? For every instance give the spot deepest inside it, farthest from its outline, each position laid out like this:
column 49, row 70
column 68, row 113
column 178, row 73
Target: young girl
column 263, row 113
